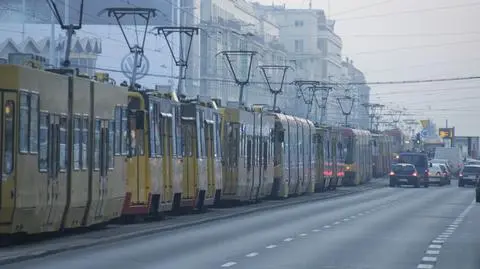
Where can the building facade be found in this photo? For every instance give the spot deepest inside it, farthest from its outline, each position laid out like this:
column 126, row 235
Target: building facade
column 228, row 25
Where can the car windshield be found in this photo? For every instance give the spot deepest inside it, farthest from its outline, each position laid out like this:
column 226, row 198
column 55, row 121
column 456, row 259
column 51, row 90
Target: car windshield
column 402, row 168
column 417, row 160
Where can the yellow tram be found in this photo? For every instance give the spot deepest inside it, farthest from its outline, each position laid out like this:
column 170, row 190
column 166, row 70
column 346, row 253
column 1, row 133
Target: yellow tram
column 61, row 127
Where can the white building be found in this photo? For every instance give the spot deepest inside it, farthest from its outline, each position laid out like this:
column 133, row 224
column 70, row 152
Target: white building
column 360, row 93
column 228, row 25
column 314, row 51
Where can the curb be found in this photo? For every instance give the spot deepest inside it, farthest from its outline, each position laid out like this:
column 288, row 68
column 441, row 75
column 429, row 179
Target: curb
column 126, row 236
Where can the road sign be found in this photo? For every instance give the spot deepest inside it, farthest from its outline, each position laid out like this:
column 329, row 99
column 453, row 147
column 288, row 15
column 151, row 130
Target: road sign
column 424, row 133
column 128, row 66
column 446, row 132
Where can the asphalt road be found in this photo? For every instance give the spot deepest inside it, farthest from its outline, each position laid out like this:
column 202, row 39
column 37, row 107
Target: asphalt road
column 383, row 228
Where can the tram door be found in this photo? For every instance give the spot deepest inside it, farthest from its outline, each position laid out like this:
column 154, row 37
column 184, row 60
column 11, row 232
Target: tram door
column 7, row 131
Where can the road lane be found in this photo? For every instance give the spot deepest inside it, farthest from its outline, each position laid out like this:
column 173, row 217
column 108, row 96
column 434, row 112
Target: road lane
column 368, row 230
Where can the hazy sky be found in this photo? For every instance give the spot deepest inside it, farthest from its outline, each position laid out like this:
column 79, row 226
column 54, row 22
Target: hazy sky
column 391, row 40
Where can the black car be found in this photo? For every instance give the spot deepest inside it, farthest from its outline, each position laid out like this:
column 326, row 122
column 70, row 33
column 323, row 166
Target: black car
column 420, row 161
column 469, row 175
column 406, row 174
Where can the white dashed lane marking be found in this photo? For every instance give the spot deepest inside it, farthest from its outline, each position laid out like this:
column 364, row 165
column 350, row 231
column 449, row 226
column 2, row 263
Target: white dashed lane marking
column 429, row 262
column 425, row 266
column 253, row 254
column 289, row 239
column 429, row 259
column 229, row 264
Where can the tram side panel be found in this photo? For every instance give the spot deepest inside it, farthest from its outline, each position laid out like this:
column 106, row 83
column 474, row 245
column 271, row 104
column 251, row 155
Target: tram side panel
column 267, row 164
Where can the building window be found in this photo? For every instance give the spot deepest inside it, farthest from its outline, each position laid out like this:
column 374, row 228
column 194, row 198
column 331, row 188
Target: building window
column 298, row 23
column 298, row 45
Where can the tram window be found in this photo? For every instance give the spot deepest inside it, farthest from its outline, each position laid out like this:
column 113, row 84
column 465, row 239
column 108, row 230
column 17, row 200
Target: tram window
column 84, row 143
column 76, row 142
column 118, row 130
column 34, row 110
column 265, row 153
column 110, row 144
column 153, row 131
column 43, row 143
column 96, row 162
column 63, row 144
column 249, row 153
column 124, row 136
column 8, row 158
column 158, row 132
column 218, row 140
column 179, row 135
column 24, row 122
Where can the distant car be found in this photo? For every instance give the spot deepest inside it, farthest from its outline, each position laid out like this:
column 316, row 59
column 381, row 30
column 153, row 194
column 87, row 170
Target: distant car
column 469, row 175
column 449, row 164
column 420, row 161
column 437, row 173
column 406, row 174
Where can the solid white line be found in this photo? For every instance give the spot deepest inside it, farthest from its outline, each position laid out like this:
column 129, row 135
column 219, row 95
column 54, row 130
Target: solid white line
column 432, row 252
column 271, row 246
column 315, row 230
column 303, row 235
column 250, row 255
column 435, row 246
column 425, row 266
column 288, row 239
column 228, row 264
column 429, row 259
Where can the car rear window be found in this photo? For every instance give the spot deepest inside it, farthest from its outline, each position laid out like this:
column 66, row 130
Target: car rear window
column 471, row 169
column 417, row 160
column 403, row 169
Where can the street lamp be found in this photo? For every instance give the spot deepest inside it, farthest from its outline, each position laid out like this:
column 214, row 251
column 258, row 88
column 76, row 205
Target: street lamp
column 185, row 38
column 346, row 105
column 70, row 28
column 240, row 63
column 136, row 48
column 275, row 77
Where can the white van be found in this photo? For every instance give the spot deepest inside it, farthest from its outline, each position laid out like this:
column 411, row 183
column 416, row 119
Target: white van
column 452, row 154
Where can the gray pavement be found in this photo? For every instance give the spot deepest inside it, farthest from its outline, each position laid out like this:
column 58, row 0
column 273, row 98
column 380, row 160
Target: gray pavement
column 383, row 228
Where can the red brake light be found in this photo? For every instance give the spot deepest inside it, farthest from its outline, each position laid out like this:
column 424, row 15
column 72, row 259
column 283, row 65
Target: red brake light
column 414, row 174
column 392, row 173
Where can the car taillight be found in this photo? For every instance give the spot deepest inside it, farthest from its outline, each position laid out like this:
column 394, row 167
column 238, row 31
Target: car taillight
column 414, row 174
column 392, row 173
